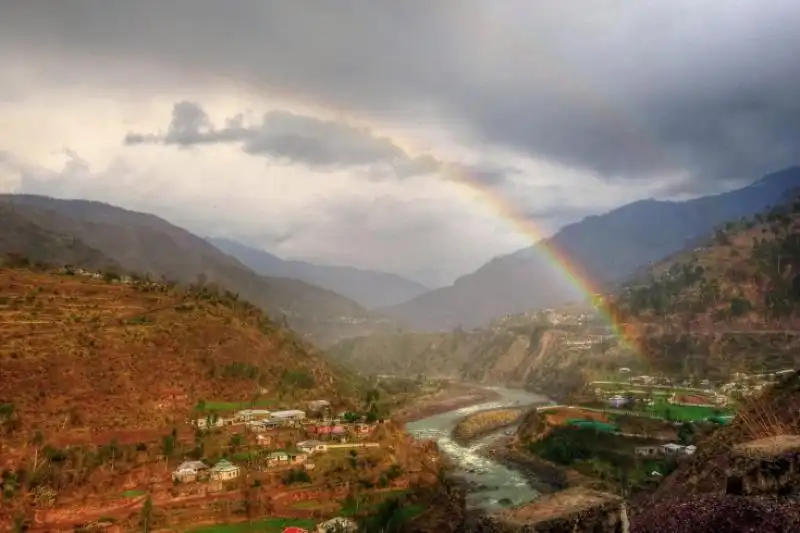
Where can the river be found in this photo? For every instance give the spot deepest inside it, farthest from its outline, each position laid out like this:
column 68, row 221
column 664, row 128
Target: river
column 496, row 482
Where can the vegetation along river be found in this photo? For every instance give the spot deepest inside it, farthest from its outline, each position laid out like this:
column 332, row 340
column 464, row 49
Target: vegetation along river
column 497, row 485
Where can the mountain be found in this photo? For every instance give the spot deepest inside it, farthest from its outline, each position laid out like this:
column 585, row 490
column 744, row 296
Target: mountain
column 730, row 303
column 84, row 355
column 606, row 249
column 21, row 238
column 367, row 287
column 148, row 245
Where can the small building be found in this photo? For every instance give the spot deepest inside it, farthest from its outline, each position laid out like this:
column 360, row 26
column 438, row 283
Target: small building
column 338, row 524
column 363, row 429
column 225, row 470
column 678, row 449
column 312, row 446
column 246, row 415
column 617, row 401
column 263, row 440
column 648, row 451
column 289, row 414
column 278, row 458
column 209, row 421
column 189, row 471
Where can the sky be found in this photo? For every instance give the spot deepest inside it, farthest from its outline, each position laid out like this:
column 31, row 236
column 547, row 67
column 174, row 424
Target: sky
column 398, row 136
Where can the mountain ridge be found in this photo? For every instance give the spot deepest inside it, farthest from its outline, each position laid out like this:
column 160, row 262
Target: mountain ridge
column 607, row 249
column 369, row 288
column 145, row 244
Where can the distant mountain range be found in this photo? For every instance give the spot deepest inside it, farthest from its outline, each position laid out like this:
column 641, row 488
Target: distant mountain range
column 607, row 249
column 97, row 235
column 367, row 287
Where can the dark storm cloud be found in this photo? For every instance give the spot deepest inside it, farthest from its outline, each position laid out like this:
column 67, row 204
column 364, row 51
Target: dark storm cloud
column 618, row 88
column 305, row 140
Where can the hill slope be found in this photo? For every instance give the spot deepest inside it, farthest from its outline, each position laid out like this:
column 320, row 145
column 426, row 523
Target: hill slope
column 367, row 287
column 608, row 248
column 82, row 354
column 146, row 244
column 22, row 238
column 730, row 304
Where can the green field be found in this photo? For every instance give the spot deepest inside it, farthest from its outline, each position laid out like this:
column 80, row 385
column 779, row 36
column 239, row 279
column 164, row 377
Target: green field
column 268, row 525
column 677, row 413
column 218, row 405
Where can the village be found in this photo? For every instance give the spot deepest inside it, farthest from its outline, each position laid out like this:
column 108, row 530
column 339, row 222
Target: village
column 275, row 436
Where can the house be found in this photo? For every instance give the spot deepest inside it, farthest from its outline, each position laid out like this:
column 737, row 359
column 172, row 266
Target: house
column 617, row 401
column 279, row 458
column 312, row 446
column 263, row 440
column 363, row 429
column 338, row 524
column 209, row 421
column 189, row 471
column 648, row 451
column 225, row 470
column 246, row 415
column 288, row 415
column 678, row 449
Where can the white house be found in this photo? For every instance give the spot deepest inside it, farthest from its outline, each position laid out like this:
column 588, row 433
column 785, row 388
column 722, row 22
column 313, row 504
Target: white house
column 312, row 446
column 189, row 471
column 246, row 415
column 678, row 449
column 290, row 414
column 338, row 524
column 225, row 470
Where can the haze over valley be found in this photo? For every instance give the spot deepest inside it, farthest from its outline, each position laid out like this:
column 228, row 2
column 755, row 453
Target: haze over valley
column 399, row 267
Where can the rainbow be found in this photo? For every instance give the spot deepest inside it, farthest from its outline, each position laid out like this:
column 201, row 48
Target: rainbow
column 572, row 272
column 584, row 93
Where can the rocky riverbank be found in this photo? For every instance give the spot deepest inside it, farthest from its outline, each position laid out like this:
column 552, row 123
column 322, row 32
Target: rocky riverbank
column 480, row 424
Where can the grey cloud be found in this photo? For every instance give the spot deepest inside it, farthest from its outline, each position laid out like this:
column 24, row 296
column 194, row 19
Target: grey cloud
column 618, row 88
column 306, row 140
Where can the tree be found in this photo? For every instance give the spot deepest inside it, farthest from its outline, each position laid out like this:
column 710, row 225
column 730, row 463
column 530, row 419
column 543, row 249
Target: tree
column 146, row 516
column 686, row 433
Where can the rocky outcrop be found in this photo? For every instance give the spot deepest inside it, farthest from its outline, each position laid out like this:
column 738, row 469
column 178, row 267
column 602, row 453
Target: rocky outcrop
column 768, row 466
column 569, row 511
column 761, row 494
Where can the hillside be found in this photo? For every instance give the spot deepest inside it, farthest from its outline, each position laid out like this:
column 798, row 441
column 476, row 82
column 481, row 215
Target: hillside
column 367, row 287
column 148, row 245
column 776, row 412
column 80, row 354
column 22, row 239
column 730, row 303
column 524, row 356
column 608, row 248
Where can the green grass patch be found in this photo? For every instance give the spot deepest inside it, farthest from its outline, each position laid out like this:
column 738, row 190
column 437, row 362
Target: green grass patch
column 310, row 505
column 268, row 525
column 218, row 405
column 133, row 493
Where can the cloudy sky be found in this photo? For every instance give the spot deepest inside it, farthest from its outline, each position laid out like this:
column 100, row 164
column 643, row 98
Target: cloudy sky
column 403, row 136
